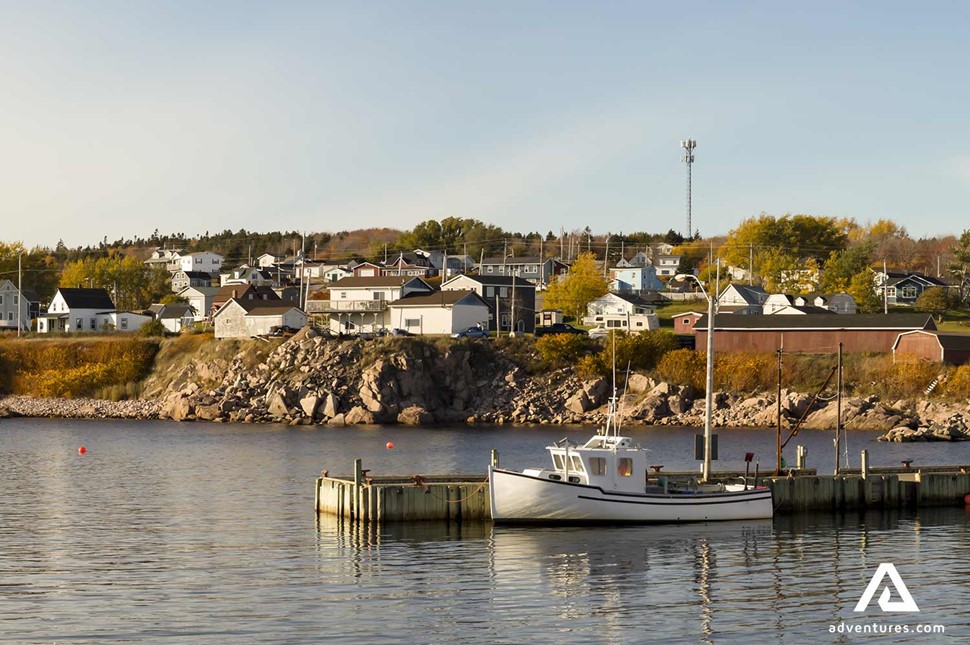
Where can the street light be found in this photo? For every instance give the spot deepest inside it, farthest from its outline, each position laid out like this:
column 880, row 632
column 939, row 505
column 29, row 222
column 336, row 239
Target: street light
column 709, row 382
column 688, row 145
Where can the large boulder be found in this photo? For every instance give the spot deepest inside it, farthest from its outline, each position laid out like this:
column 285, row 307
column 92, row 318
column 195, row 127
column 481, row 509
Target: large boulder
column 309, row 405
column 415, row 416
column 579, row 403
column 359, row 415
column 638, row 383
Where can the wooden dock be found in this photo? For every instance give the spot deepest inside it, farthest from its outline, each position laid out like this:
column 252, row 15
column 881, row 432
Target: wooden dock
column 456, row 498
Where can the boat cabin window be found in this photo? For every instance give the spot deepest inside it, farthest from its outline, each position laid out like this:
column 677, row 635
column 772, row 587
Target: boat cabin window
column 557, row 462
column 624, row 466
column 597, row 466
column 576, row 463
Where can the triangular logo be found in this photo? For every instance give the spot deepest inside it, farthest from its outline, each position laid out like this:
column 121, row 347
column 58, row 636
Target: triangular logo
column 905, row 602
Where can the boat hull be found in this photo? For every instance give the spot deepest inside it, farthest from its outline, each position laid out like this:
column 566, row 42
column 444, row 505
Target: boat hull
column 518, row 497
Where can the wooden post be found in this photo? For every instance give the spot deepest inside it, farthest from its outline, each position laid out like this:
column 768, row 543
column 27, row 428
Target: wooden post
column 865, row 464
column 838, row 414
column 800, row 457
column 494, row 458
column 778, row 423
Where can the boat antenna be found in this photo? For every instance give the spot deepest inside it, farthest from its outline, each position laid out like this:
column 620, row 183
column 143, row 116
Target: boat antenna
column 619, row 416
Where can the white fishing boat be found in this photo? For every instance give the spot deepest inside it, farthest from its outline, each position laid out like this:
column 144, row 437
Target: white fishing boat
column 606, row 480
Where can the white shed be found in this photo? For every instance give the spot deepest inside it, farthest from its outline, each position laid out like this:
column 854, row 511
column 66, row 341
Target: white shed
column 441, row 312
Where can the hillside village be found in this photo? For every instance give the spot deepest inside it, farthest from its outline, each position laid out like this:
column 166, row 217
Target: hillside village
column 431, row 292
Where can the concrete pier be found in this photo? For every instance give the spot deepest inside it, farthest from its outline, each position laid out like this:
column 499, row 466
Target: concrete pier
column 447, row 498
column 454, row 498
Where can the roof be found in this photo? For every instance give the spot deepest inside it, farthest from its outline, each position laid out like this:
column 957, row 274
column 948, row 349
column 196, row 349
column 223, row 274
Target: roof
column 376, row 281
column 495, row 280
column 265, row 307
column 173, row 310
column 806, row 309
column 751, row 322
column 205, row 291
column 953, row 342
column 633, row 299
column 750, row 294
column 86, row 298
column 525, row 259
column 438, row 298
column 915, row 277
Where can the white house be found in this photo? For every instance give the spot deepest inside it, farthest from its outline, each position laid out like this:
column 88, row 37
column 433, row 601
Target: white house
column 638, row 259
column 246, row 275
column 204, row 261
column 742, row 299
column 249, row 318
column 440, row 312
column 17, row 304
column 86, row 310
column 840, row 303
column 161, row 258
column 359, row 304
column 665, row 260
column 75, row 310
column 174, row 316
column 200, row 300
column 266, row 260
column 621, row 311
column 635, row 279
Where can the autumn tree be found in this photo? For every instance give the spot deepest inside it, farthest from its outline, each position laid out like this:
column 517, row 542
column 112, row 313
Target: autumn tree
column 841, row 266
column 780, row 245
column 132, row 285
column 583, row 284
column 960, row 265
column 862, row 288
column 932, row 300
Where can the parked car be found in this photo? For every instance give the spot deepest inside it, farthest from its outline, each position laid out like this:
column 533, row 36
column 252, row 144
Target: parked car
column 282, row 330
column 397, row 331
column 558, row 328
column 370, row 335
column 599, row 332
column 475, row 331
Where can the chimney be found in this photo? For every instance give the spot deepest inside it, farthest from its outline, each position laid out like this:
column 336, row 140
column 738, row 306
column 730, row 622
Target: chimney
column 233, row 293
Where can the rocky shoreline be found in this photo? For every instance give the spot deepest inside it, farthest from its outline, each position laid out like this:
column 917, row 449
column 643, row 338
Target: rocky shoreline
column 309, row 380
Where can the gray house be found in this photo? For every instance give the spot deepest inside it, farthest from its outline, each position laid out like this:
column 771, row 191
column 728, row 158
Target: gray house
column 504, row 302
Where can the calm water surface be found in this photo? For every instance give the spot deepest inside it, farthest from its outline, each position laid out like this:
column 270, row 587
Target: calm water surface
column 205, row 533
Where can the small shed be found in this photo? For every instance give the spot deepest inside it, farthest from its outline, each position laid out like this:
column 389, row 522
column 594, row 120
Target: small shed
column 684, row 323
column 953, row 349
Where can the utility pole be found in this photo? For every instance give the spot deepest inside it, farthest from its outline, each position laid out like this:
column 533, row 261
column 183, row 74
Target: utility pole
column 751, row 264
column 885, row 289
column 838, row 414
column 688, row 145
column 606, row 256
column 20, row 294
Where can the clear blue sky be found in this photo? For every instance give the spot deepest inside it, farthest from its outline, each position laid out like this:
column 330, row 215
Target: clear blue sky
column 122, row 117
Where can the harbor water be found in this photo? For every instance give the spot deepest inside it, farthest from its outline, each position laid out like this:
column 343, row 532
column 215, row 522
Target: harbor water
column 206, row 533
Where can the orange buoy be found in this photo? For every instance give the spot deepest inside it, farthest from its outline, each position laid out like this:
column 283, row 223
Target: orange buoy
column 966, row 500
column 390, row 444
column 82, row 450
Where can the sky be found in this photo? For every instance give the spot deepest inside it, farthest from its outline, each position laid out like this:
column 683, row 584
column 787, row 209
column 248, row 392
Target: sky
column 122, row 117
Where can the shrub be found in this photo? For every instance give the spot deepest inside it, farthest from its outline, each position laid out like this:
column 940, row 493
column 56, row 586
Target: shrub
column 957, row 384
column 153, row 328
column 634, row 351
column 561, row 350
column 745, row 372
column 684, row 367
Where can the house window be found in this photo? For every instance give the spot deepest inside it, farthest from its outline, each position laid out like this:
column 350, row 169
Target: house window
column 909, row 292
column 10, row 315
column 379, row 295
column 488, row 269
column 124, row 323
column 624, row 467
column 93, row 324
column 503, row 292
column 343, row 295
column 505, row 321
column 1, row 300
column 686, row 321
column 412, row 322
column 891, row 292
column 597, row 466
column 79, row 323
column 489, row 292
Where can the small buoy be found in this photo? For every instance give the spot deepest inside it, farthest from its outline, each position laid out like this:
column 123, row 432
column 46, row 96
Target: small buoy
column 390, row 444
column 966, row 500
column 82, row 450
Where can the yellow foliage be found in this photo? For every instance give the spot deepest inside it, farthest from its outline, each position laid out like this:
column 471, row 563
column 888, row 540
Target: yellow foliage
column 684, row 367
